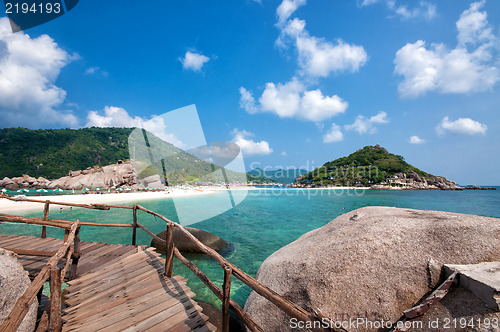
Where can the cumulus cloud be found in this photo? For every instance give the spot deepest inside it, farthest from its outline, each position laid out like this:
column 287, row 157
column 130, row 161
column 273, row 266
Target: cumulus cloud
column 119, row 117
column 465, row 126
column 318, row 57
column 193, row 61
column 29, row 68
column 333, row 135
column 248, row 146
column 286, row 9
column 364, row 125
column 293, row 100
column 416, row 140
column 471, row 66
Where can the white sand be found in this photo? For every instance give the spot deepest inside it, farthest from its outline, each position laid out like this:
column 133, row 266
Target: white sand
column 8, row 206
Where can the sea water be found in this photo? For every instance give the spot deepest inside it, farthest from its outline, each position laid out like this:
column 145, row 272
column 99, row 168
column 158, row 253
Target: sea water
column 265, row 221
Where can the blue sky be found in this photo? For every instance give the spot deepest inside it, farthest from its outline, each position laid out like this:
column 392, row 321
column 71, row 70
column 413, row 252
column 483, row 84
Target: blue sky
column 294, row 83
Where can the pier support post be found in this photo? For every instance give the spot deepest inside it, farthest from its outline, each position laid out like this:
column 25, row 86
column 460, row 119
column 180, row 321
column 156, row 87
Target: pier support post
column 169, row 260
column 55, row 321
column 226, row 297
column 45, row 218
column 134, row 225
column 76, row 254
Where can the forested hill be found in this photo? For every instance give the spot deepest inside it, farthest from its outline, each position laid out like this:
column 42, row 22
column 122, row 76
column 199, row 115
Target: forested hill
column 367, row 166
column 51, row 153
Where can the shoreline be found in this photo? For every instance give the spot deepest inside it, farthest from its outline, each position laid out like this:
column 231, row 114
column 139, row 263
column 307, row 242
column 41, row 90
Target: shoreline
column 7, row 206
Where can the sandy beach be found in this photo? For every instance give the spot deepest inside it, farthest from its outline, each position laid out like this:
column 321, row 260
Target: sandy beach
column 8, row 206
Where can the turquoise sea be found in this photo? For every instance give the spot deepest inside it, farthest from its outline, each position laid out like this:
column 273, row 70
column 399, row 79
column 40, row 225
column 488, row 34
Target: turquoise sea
column 264, row 222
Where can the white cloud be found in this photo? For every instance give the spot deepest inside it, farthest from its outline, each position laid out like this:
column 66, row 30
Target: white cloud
column 416, row 140
column 470, row 67
column 318, row 57
column 193, row 61
column 95, row 70
column 293, row 100
column 119, row 117
column 286, row 9
column 333, row 135
column 465, row 126
column 365, row 125
column 284, row 154
column 248, row 146
column 247, row 101
column 424, row 9
column 29, row 68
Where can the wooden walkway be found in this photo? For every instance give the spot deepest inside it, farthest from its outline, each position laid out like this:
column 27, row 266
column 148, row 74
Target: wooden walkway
column 118, row 288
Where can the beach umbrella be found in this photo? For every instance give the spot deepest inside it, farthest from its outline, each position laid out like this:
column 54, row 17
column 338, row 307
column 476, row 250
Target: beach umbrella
column 23, row 191
column 58, row 190
column 4, row 190
column 127, row 189
column 42, row 191
column 86, row 189
column 97, row 189
column 119, row 189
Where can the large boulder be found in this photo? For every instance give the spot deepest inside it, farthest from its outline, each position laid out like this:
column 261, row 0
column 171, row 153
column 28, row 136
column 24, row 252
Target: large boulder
column 14, row 281
column 375, row 262
column 184, row 244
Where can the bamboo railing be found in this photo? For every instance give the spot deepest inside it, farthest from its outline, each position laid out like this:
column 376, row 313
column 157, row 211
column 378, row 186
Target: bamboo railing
column 285, row 305
column 51, row 318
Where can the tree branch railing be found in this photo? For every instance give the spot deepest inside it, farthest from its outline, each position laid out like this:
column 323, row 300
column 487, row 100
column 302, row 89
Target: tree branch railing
column 285, row 305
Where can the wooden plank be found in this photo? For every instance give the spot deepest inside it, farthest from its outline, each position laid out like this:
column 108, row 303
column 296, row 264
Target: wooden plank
column 141, row 295
column 118, row 320
column 152, row 315
column 185, row 313
column 32, row 252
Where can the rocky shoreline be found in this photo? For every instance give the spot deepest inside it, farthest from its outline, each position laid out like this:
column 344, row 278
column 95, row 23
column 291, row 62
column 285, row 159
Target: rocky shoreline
column 120, row 175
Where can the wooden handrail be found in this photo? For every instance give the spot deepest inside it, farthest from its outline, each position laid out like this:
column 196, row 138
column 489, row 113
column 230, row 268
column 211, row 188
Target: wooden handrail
column 20, row 309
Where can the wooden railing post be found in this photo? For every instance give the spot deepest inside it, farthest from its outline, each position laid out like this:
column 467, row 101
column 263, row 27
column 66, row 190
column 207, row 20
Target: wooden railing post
column 76, row 254
column 226, row 293
column 45, row 218
column 169, row 260
column 55, row 322
column 134, row 225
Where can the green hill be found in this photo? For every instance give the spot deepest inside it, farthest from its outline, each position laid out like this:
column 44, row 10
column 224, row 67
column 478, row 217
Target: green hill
column 367, row 166
column 52, row 153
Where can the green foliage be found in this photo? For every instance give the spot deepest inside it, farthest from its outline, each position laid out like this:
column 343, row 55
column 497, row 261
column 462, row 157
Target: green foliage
column 52, row 153
column 367, row 166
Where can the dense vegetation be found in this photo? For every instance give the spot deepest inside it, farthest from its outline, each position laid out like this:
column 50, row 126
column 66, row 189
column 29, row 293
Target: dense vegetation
column 370, row 165
column 52, row 153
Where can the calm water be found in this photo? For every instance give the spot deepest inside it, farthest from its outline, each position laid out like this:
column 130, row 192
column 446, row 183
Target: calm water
column 264, row 222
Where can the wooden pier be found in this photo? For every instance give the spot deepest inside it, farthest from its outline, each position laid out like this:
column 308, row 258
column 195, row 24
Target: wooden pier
column 124, row 287
column 117, row 288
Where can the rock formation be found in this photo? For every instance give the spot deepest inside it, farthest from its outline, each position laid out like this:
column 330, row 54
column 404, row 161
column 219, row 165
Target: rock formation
column 14, row 281
column 186, row 245
column 375, row 262
column 120, row 175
